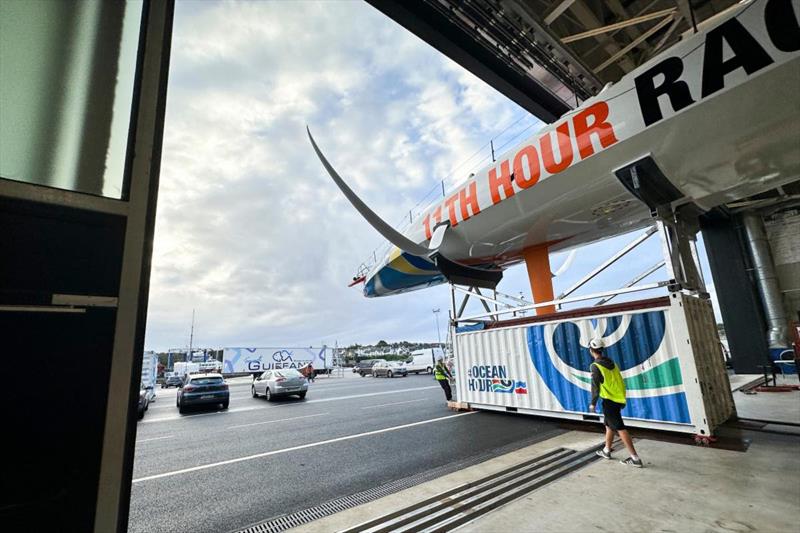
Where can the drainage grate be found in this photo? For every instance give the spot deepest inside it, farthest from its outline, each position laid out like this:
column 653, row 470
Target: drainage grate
column 453, row 508
column 286, row 522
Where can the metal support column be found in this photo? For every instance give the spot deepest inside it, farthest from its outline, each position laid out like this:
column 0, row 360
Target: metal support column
column 678, row 242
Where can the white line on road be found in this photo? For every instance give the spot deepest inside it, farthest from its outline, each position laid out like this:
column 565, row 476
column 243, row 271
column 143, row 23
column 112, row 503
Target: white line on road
column 395, row 403
column 306, row 402
column 368, row 394
column 154, row 438
column 295, row 448
column 273, row 421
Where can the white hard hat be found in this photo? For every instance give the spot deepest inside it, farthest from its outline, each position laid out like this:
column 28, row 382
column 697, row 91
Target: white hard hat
column 597, row 344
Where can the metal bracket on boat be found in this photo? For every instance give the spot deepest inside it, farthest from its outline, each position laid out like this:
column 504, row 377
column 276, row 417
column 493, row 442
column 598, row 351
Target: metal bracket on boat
column 678, row 231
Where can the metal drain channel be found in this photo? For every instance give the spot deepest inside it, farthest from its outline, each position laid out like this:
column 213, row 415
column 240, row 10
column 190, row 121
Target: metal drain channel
column 289, row 521
column 455, row 507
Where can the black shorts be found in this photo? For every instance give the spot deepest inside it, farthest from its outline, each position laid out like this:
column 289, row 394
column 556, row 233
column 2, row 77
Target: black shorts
column 612, row 414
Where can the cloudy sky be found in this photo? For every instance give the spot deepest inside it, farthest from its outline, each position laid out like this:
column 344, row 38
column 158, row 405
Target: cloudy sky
column 250, row 231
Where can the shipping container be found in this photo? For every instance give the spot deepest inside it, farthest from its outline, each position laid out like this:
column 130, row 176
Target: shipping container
column 667, row 348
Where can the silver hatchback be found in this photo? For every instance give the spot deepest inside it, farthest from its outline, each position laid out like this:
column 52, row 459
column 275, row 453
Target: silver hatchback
column 282, row 382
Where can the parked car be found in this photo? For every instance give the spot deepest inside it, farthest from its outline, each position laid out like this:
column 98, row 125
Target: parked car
column 282, row 382
column 144, row 403
column 389, row 369
column 365, row 367
column 203, row 389
column 151, row 393
column 172, row 381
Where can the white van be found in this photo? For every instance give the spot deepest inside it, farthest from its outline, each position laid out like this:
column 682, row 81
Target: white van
column 423, row 360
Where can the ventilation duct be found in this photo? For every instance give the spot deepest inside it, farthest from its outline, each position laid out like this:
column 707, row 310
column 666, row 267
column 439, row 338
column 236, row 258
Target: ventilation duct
column 766, row 280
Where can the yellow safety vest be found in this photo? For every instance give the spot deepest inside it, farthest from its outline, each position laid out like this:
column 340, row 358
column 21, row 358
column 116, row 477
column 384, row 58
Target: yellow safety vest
column 613, row 386
column 439, row 373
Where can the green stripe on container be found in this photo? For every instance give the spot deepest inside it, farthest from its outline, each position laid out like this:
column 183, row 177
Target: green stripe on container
column 667, row 374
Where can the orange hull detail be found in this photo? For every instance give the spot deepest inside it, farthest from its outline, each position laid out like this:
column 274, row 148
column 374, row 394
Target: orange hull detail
column 537, row 260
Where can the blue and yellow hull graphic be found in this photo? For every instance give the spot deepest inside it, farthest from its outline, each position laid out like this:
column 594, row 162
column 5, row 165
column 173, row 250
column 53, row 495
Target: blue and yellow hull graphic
column 402, row 273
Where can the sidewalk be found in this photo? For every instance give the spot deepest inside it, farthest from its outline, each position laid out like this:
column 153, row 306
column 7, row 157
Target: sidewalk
column 683, row 488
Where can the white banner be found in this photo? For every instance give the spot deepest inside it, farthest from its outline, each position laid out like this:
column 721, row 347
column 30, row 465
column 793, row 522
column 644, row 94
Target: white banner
column 237, row 360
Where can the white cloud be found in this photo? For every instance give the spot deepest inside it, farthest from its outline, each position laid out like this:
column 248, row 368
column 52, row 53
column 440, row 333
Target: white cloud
column 250, row 231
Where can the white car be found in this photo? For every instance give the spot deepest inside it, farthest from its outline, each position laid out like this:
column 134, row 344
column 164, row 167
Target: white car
column 280, row 382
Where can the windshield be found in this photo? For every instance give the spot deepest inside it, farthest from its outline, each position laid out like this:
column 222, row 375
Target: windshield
column 207, row 381
column 289, row 373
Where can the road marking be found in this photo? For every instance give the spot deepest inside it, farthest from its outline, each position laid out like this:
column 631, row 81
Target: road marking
column 273, row 421
column 395, row 403
column 154, row 438
column 295, row 448
column 369, row 394
column 306, row 402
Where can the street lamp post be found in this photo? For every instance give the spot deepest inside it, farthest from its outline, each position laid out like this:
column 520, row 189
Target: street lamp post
column 438, row 335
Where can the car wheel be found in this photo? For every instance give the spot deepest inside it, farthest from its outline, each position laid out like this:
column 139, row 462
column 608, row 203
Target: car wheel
column 302, row 395
column 253, row 391
column 225, row 404
column 362, row 374
column 389, row 374
column 181, row 409
column 429, row 370
column 141, row 414
column 267, row 394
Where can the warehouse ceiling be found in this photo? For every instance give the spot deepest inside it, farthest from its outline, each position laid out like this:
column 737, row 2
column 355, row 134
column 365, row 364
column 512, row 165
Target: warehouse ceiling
column 549, row 55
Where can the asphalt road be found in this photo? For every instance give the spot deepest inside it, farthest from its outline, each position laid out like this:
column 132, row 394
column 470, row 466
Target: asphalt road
column 221, row 471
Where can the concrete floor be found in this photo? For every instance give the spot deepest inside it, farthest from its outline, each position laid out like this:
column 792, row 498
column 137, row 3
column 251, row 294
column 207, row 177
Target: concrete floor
column 783, row 406
column 683, row 488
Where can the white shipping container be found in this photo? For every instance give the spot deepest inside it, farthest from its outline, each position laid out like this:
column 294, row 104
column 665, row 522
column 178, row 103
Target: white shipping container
column 667, row 348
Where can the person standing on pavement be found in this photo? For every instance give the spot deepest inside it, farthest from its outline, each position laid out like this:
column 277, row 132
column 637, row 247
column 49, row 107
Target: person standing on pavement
column 607, row 383
column 443, row 376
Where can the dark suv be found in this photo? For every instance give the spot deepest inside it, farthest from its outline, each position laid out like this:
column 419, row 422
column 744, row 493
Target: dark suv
column 203, row 389
column 172, row 381
column 365, row 367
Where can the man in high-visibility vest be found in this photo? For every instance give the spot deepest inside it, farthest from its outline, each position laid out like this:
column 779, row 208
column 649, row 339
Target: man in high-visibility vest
column 443, row 376
column 607, row 383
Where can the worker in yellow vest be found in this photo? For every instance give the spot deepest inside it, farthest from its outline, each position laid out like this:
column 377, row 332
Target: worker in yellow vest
column 607, row 383
column 443, row 376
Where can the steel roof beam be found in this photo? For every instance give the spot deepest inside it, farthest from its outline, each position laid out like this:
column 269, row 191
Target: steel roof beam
column 618, row 25
column 669, row 18
column 587, row 17
column 556, row 11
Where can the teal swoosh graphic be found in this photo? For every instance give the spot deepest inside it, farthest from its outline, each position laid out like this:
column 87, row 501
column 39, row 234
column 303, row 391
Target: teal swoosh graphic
column 667, row 374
